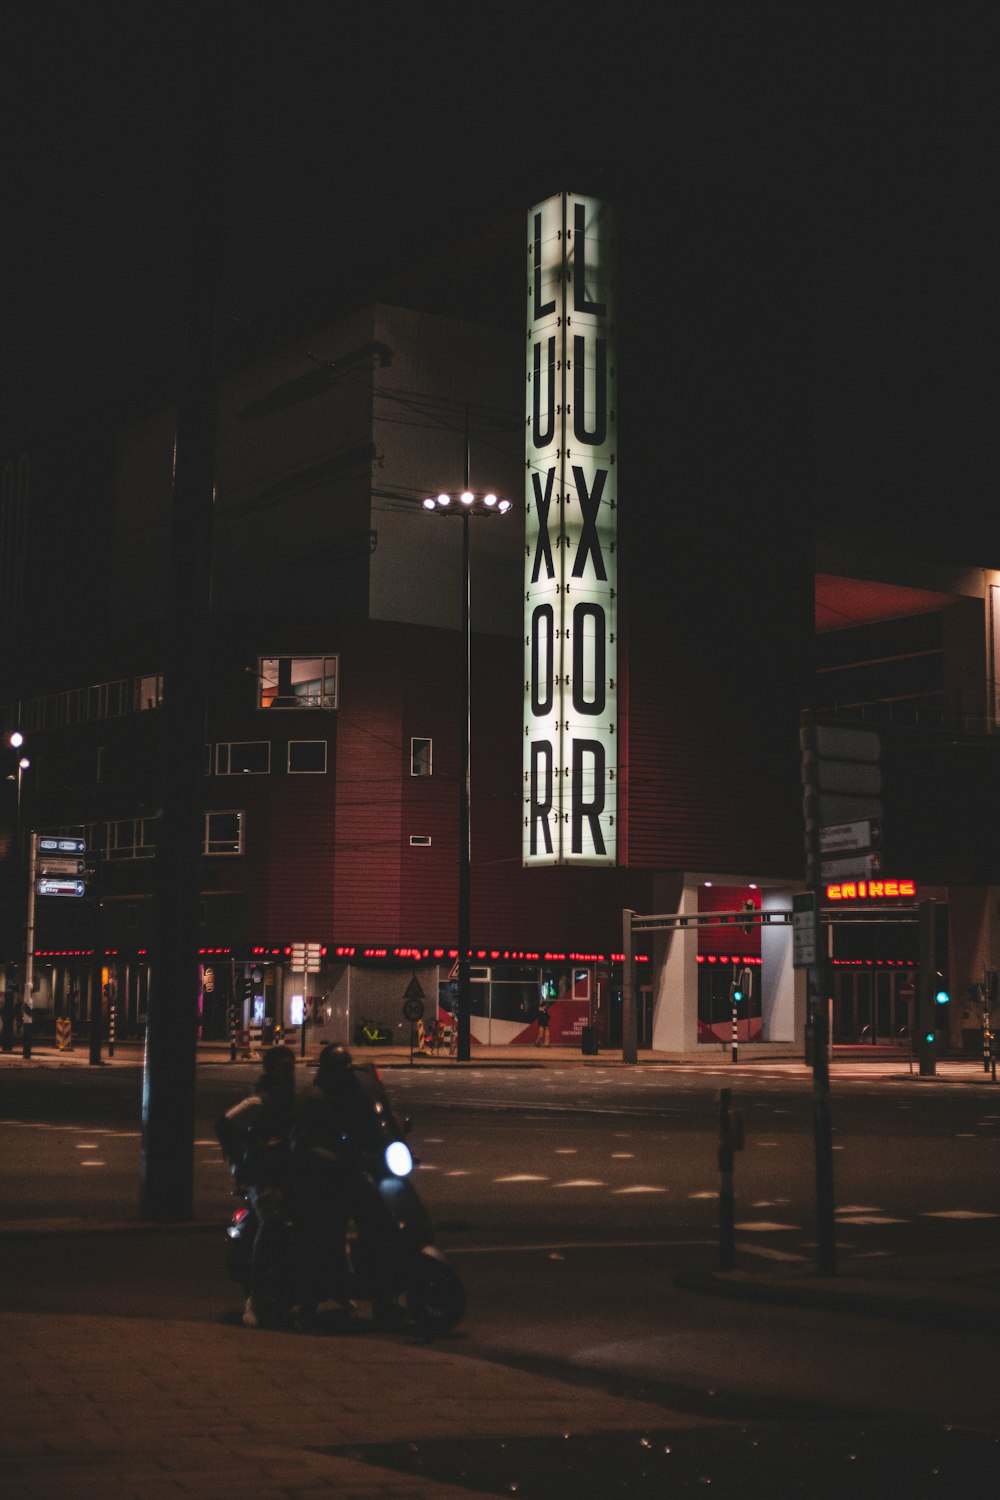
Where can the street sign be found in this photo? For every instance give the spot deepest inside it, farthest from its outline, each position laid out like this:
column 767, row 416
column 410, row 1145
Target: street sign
column 413, row 990
column 851, row 776
column 71, row 866
column 805, row 930
column 307, row 957
column 862, row 865
column 843, row 807
column 55, row 887
column 852, row 837
column 834, row 742
column 847, row 776
column 413, row 1009
column 53, row 844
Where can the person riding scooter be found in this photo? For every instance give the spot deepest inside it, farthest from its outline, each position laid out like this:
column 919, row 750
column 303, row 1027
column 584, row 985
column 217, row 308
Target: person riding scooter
column 255, row 1140
column 334, row 1126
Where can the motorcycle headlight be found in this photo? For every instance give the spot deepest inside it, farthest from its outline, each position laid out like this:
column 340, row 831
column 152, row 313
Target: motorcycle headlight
column 398, row 1159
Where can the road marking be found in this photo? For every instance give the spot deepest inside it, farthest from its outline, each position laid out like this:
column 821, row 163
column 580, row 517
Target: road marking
column 869, row 1219
column 859, row 1208
column 639, row 1188
column 623, row 1156
column 125, row 1135
column 459, row 1172
column 580, row 1245
column 768, row 1252
column 703, row 1195
column 765, row 1226
column 522, row 1177
column 957, row 1213
column 86, row 1145
column 92, row 1161
column 565, row 1150
column 580, row 1182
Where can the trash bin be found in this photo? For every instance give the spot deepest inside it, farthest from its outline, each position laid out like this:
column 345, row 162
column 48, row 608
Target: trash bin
column 589, row 1039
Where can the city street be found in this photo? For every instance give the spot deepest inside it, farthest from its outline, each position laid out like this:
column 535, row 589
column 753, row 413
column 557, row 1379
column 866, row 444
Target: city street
column 580, row 1207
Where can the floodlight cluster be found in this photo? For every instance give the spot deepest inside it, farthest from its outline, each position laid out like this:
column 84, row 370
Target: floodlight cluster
column 468, row 501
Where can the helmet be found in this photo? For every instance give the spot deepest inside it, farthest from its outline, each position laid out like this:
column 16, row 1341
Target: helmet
column 334, row 1061
column 276, row 1060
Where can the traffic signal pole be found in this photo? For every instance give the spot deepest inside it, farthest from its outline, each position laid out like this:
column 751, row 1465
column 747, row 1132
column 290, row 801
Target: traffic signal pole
column 818, row 1015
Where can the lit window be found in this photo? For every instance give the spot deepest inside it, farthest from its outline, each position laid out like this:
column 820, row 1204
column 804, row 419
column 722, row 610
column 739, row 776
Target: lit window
column 307, row 757
column 298, row 681
column 223, row 833
column 243, row 758
column 148, row 693
column 421, row 760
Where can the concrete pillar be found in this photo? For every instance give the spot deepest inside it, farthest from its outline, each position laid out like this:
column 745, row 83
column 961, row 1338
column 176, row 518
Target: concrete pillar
column 783, row 989
column 675, row 972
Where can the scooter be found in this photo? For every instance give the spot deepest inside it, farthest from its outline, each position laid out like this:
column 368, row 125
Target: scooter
column 396, row 1238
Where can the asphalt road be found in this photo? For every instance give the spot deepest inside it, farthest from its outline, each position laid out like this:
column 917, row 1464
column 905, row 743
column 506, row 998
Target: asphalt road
column 570, row 1200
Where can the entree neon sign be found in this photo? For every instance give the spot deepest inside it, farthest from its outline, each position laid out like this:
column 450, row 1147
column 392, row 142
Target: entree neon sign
column 870, row 890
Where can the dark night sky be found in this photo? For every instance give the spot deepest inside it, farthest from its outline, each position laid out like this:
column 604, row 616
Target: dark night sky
column 808, row 201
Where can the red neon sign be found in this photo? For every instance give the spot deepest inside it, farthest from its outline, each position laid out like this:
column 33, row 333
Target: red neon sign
column 870, row 890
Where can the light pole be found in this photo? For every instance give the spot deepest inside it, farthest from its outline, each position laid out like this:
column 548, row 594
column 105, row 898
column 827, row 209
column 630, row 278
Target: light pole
column 16, row 742
column 466, row 504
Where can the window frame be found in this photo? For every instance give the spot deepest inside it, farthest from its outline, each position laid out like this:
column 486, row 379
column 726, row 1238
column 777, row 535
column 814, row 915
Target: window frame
column 224, row 751
column 269, row 675
column 207, row 839
column 415, row 755
column 301, row 771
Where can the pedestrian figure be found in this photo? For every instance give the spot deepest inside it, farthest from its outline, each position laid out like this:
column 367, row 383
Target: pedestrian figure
column 542, row 1039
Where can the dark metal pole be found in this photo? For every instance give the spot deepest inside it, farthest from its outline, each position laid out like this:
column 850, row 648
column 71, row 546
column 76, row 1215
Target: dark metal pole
column 819, row 994
column 629, row 1027
column 464, row 1005
column 97, row 963
column 171, row 1032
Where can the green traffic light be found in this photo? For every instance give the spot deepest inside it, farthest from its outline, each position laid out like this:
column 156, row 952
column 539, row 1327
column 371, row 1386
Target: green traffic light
column 737, row 996
column 929, row 1037
column 942, row 997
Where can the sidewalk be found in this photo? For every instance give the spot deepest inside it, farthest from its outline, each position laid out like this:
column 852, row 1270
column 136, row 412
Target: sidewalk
column 885, row 1063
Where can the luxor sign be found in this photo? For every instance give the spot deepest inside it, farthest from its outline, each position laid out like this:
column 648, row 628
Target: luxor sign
column 570, row 636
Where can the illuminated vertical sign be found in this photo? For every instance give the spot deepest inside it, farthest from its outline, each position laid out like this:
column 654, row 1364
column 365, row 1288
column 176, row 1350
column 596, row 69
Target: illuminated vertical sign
column 571, row 499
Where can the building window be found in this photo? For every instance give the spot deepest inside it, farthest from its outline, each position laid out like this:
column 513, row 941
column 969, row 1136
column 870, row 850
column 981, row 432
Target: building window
column 307, row 757
column 243, row 758
column 148, row 692
column 223, row 833
column 298, row 681
column 420, row 840
column 421, row 758
column 130, row 838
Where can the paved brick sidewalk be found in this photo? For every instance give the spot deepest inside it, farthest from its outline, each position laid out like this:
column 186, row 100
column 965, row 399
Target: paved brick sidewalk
column 106, row 1407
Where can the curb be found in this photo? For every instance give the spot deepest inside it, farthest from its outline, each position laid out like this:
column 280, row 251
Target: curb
column 933, row 1309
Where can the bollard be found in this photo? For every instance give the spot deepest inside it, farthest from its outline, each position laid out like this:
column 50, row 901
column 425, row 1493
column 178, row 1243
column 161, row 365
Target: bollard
column 730, row 1141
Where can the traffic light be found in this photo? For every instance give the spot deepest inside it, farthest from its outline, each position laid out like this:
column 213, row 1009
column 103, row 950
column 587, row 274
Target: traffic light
column 932, row 991
column 735, row 993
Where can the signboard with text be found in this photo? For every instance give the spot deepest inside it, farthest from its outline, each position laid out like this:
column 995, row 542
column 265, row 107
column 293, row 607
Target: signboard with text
column 570, row 625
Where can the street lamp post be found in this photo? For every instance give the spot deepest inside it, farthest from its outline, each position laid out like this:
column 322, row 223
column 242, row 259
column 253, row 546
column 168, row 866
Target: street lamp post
column 468, row 505
column 16, row 742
